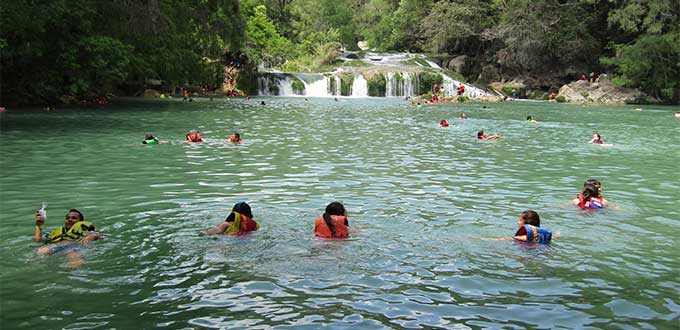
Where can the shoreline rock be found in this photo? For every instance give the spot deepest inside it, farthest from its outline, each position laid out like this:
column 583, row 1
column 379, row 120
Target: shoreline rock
column 602, row 91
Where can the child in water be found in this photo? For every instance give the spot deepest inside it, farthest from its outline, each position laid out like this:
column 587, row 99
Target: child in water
column 333, row 223
column 482, row 136
column 443, row 123
column 597, row 139
column 590, row 198
column 235, row 138
column 530, row 230
column 531, row 120
column 238, row 222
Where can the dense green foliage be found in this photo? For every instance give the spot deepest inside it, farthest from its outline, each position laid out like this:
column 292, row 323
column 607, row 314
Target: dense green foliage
column 87, row 48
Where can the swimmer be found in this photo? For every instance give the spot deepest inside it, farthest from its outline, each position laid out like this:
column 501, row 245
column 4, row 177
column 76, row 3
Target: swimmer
column 482, row 136
column 333, row 223
column 150, row 139
column 443, row 123
column 676, row 115
column 194, row 136
column 597, row 139
column 336, row 99
column 531, row 120
column 591, row 197
column 463, row 116
column 530, row 230
column 75, row 229
column 238, row 222
column 235, row 138
column 262, row 103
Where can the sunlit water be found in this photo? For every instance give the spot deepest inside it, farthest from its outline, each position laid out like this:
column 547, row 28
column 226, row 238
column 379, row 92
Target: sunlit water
column 419, row 196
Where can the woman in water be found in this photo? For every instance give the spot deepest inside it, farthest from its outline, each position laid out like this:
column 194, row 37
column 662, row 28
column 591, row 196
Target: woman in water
column 333, row 223
column 235, row 138
column 597, row 139
column 482, row 136
column 238, row 222
column 443, row 123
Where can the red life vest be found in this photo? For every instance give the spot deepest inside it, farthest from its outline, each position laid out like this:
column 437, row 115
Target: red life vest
column 322, row 230
column 591, row 203
column 195, row 138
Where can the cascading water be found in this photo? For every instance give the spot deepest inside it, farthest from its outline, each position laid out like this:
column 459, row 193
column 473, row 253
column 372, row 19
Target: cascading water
column 401, row 73
column 360, row 86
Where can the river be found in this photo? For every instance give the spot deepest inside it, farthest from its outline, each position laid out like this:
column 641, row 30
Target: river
column 420, row 198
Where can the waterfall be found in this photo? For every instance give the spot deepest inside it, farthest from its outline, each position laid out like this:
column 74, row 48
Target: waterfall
column 316, row 85
column 337, row 85
column 274, row 84
column 390, row 84
column 360, row 86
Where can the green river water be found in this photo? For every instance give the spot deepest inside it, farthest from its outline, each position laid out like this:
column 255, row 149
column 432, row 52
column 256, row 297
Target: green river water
column 419, row 197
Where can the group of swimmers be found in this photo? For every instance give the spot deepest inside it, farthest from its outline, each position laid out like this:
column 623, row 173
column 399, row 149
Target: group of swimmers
column 332, row 224
column 596, row 139
column 193, row 136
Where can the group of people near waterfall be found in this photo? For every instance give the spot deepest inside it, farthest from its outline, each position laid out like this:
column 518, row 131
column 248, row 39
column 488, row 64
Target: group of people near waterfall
column 332, row 224
column 481, row 135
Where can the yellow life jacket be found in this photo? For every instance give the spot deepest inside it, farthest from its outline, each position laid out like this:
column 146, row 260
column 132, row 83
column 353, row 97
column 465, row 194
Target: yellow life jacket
column 79, row 230
column 241, row 224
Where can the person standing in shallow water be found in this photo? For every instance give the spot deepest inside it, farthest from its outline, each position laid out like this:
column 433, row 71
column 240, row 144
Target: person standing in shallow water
column 333, row 223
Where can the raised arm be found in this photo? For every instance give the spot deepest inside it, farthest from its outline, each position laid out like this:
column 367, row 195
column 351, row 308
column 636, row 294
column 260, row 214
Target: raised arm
column 39, row 222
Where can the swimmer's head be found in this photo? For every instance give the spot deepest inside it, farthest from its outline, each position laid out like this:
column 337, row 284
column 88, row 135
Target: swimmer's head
column 72, row 217
column 336, row 208
column 240, row 207
column 480, row 134
column 148, row 137
column 590, row 190
column 530, row 118
column 529, row 217
column 597, row 136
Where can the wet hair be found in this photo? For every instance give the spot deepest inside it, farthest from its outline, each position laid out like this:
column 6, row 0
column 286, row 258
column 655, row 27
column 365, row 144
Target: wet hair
column 529, row 118
column 240, row 207
column 81, row 217
column 335, row 208
column 530, row 217
column 148, row 137
column 479, row 134
column 598, row 135
column 590, row 190
column 262, row 103
column 594, row 182
column 238, row 136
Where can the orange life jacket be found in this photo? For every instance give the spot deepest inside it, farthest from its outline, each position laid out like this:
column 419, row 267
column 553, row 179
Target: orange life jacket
column 322, row 230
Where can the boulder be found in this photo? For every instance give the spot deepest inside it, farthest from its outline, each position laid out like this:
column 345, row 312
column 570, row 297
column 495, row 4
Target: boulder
column 151, row 93
column 601, row 91
column 457, row 63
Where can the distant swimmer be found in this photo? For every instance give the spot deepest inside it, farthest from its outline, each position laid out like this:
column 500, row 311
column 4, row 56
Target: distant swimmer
column 235, row 138
column 531, row 120
column 676, row 115
column 150, row 139
column 463, row 116
column 75, row 230
column 443, row 123
column 336, row 99
column 262, row 103
column 597, row 139
column 238, row 222
column 194, row 136
column 482, row 136
column 333, row 223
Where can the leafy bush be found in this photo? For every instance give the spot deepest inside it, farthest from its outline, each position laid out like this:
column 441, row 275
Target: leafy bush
column 346, row 81
column 463, row 98
column 377, row 85
column 561, row 99
column 427, row 80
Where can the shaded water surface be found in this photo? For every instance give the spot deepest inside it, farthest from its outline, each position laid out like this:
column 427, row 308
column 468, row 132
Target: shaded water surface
column 419, row 196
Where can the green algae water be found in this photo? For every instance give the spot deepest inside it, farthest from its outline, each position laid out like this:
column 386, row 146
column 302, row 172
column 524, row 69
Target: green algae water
column 419, row 197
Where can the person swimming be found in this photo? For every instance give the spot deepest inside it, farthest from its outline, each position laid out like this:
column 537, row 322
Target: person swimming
column 590, row 198
column 235, row 138
column 333, row 223
column 530, row 229
column 482, row 136
column 443, row 123
column 194, row 136
column 531, row 120
column 463, row 116
column 597, row 139
column 238, row 222
column 150, row 139
column 75, row 229
column 676, row 115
